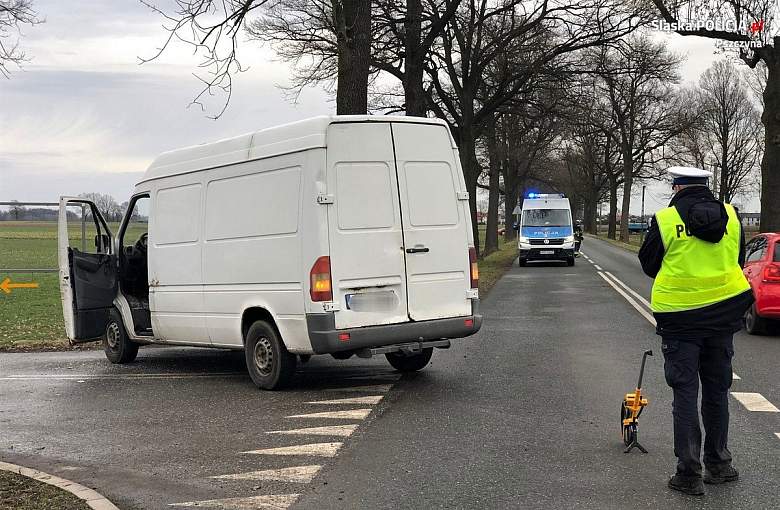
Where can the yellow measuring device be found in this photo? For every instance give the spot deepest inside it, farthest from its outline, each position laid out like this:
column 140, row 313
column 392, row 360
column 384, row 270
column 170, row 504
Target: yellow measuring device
column 630, row 409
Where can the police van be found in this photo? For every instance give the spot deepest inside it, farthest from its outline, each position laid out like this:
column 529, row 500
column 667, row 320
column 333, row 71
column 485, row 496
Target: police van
column 546, row 230
column 342, row 235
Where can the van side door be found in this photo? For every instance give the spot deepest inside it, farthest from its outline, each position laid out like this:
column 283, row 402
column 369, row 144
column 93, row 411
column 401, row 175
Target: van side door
column 87, row 269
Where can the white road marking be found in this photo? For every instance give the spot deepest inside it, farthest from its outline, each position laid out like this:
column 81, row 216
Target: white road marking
column 598, row 267
column 352, row 414
column 313, row 449
column 735, row 376
column 755, row 402
column 777, row 434
column 84, row 377
column 270, row 502
column 296, row 474
column 370, row 388
column 334, row 430
column 374, row 399
column 629, row 289
column 630, row 300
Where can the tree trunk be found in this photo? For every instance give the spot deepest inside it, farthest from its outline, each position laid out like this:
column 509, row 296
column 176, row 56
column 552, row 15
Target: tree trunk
column 353, row 21
column 414, row 94
column 468, row 160
column 625, row 213
column 770, row 164
column 491, row 234
column 589, row 212
column 612, row 229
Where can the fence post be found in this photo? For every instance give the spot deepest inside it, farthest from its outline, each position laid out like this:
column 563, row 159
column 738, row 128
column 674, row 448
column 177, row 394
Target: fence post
column 83, row 228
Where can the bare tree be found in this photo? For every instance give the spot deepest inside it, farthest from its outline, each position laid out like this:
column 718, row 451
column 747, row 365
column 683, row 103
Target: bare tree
column 732, row 125
column 752, row 27
column 14, row 14
column 106, row 204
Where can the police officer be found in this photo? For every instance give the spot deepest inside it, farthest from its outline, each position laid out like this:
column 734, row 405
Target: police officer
column 695, row 249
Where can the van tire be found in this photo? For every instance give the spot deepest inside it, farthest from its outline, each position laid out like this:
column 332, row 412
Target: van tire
column 520, row 262
column 413, row 363
column 570, row 261
column 117, row 345
column 268, row 362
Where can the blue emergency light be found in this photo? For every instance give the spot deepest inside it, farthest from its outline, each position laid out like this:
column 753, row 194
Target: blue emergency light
column 545, row 195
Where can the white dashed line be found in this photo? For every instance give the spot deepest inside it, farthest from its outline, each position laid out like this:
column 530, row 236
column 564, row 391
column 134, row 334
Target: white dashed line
column 352, row 414
column 335, row 430
column 755, row 402
column 375, row 399
column 630, row 300
column 777, row 434
column 270, row 502
column 735, row 376
column 598, row 267
column 295, row 474
column 313, row 449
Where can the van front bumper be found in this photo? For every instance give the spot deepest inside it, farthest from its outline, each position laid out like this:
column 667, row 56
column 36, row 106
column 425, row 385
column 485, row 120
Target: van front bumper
column 324, row 336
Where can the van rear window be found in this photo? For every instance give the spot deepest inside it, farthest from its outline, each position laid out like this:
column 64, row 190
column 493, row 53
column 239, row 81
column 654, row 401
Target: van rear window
column 546, row 217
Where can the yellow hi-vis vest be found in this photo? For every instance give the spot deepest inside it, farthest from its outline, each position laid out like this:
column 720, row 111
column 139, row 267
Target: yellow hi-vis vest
column 696, row 273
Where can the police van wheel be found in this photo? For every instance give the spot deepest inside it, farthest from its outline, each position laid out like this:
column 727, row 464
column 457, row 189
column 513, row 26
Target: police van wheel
column 521, row 262
column 413, row 363
column 754, row 324
column 269, row 364
column 116, row 344
column 570, row 261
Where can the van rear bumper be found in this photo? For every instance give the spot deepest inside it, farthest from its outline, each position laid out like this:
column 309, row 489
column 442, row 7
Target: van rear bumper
column 324, row 336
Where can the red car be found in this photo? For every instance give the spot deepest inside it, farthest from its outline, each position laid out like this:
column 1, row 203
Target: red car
column 762, row 269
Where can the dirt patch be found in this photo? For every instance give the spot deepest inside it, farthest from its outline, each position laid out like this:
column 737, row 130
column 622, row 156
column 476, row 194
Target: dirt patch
column 18, row 492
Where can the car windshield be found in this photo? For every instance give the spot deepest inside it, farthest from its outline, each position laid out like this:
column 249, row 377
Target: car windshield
column 546, row 217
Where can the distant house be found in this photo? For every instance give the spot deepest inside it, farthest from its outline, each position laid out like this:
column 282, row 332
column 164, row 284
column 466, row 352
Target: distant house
column 751, row 219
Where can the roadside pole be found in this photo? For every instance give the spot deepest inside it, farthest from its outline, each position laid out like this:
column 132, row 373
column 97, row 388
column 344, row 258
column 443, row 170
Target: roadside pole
column 642, row 230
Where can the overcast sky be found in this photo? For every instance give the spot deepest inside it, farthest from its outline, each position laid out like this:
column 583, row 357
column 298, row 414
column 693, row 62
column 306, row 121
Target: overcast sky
column 84, row 116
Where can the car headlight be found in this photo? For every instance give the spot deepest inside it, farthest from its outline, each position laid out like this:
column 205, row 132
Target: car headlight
column 569, row 239
column 523, row 240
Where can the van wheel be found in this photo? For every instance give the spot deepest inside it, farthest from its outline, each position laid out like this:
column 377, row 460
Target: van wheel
column 404, row 363
column 754, row 324
column 521, row 262
column 116, row 344
column 570, row 261
column 269, row 364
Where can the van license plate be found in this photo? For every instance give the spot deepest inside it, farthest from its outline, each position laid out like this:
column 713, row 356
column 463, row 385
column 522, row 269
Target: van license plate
column 547, row 252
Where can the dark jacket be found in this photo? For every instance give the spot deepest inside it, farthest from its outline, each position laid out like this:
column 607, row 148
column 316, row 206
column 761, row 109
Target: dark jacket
column 705, row 217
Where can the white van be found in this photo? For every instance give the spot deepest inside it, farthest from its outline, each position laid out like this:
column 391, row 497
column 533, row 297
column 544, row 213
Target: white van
column 546, row 229
column 341, row 235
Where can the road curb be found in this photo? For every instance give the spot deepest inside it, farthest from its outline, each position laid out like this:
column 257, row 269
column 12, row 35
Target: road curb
column 90, row 497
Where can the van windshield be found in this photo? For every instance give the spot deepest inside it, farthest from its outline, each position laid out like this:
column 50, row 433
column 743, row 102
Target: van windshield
column 546, row 217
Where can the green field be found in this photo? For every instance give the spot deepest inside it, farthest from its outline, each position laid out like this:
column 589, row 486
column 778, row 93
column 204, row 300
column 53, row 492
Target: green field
column 32, row 318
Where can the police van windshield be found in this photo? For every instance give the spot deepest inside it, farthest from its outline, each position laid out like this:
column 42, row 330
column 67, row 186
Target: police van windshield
column 546, row 217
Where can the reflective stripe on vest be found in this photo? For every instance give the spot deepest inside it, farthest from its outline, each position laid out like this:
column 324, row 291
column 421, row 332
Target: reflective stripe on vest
column 696, row 273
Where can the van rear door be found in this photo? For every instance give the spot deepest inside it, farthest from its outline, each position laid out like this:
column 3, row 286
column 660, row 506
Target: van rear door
column 434, row 209
column 365, row 233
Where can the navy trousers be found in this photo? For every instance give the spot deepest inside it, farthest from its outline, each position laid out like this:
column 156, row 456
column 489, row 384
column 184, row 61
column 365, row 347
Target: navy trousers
column 686, row 362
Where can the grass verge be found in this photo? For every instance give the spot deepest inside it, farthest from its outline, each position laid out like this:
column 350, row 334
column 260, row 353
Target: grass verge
column 18, row 492
column 633, row 245
column 493, row 267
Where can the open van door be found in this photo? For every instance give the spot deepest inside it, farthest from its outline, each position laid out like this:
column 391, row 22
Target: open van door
column 88, row 269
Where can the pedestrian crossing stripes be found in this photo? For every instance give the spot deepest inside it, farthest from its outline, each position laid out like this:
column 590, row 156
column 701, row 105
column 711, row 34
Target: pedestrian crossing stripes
column 312, row 449
column 375, row 399
column 267, row 502
column 755, row 402
column 352, row 414
column 295, row 474
column 334, row 430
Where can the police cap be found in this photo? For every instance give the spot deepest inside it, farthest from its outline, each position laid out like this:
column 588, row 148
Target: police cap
column 688, row 175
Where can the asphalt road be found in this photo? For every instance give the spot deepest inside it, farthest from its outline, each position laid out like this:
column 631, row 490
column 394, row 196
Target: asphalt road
column 522, row 415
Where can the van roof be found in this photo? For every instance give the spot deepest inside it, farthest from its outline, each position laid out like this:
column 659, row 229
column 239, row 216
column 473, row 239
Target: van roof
column 274, row 141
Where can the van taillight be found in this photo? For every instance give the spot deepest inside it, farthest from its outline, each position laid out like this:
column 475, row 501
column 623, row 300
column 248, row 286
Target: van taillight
column 474, row 267
column 319, row 277
column 772, row 273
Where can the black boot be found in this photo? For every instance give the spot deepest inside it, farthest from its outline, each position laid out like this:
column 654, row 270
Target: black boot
column 687, row 484
column 721, row 474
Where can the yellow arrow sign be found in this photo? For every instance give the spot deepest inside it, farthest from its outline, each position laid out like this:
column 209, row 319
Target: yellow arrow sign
column 6, row 286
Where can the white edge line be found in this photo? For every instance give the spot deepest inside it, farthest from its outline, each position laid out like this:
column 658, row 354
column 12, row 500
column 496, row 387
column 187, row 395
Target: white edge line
column 629, row 289
column 777, row 434
column 91, row 497
column 755, row 402
column 735, row 376
column 630, row 300
column 598, row 267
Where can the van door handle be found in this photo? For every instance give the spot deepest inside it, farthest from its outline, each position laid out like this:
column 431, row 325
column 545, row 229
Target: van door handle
column 422, row 249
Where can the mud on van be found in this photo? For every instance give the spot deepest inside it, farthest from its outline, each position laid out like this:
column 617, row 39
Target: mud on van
column 342, row 235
